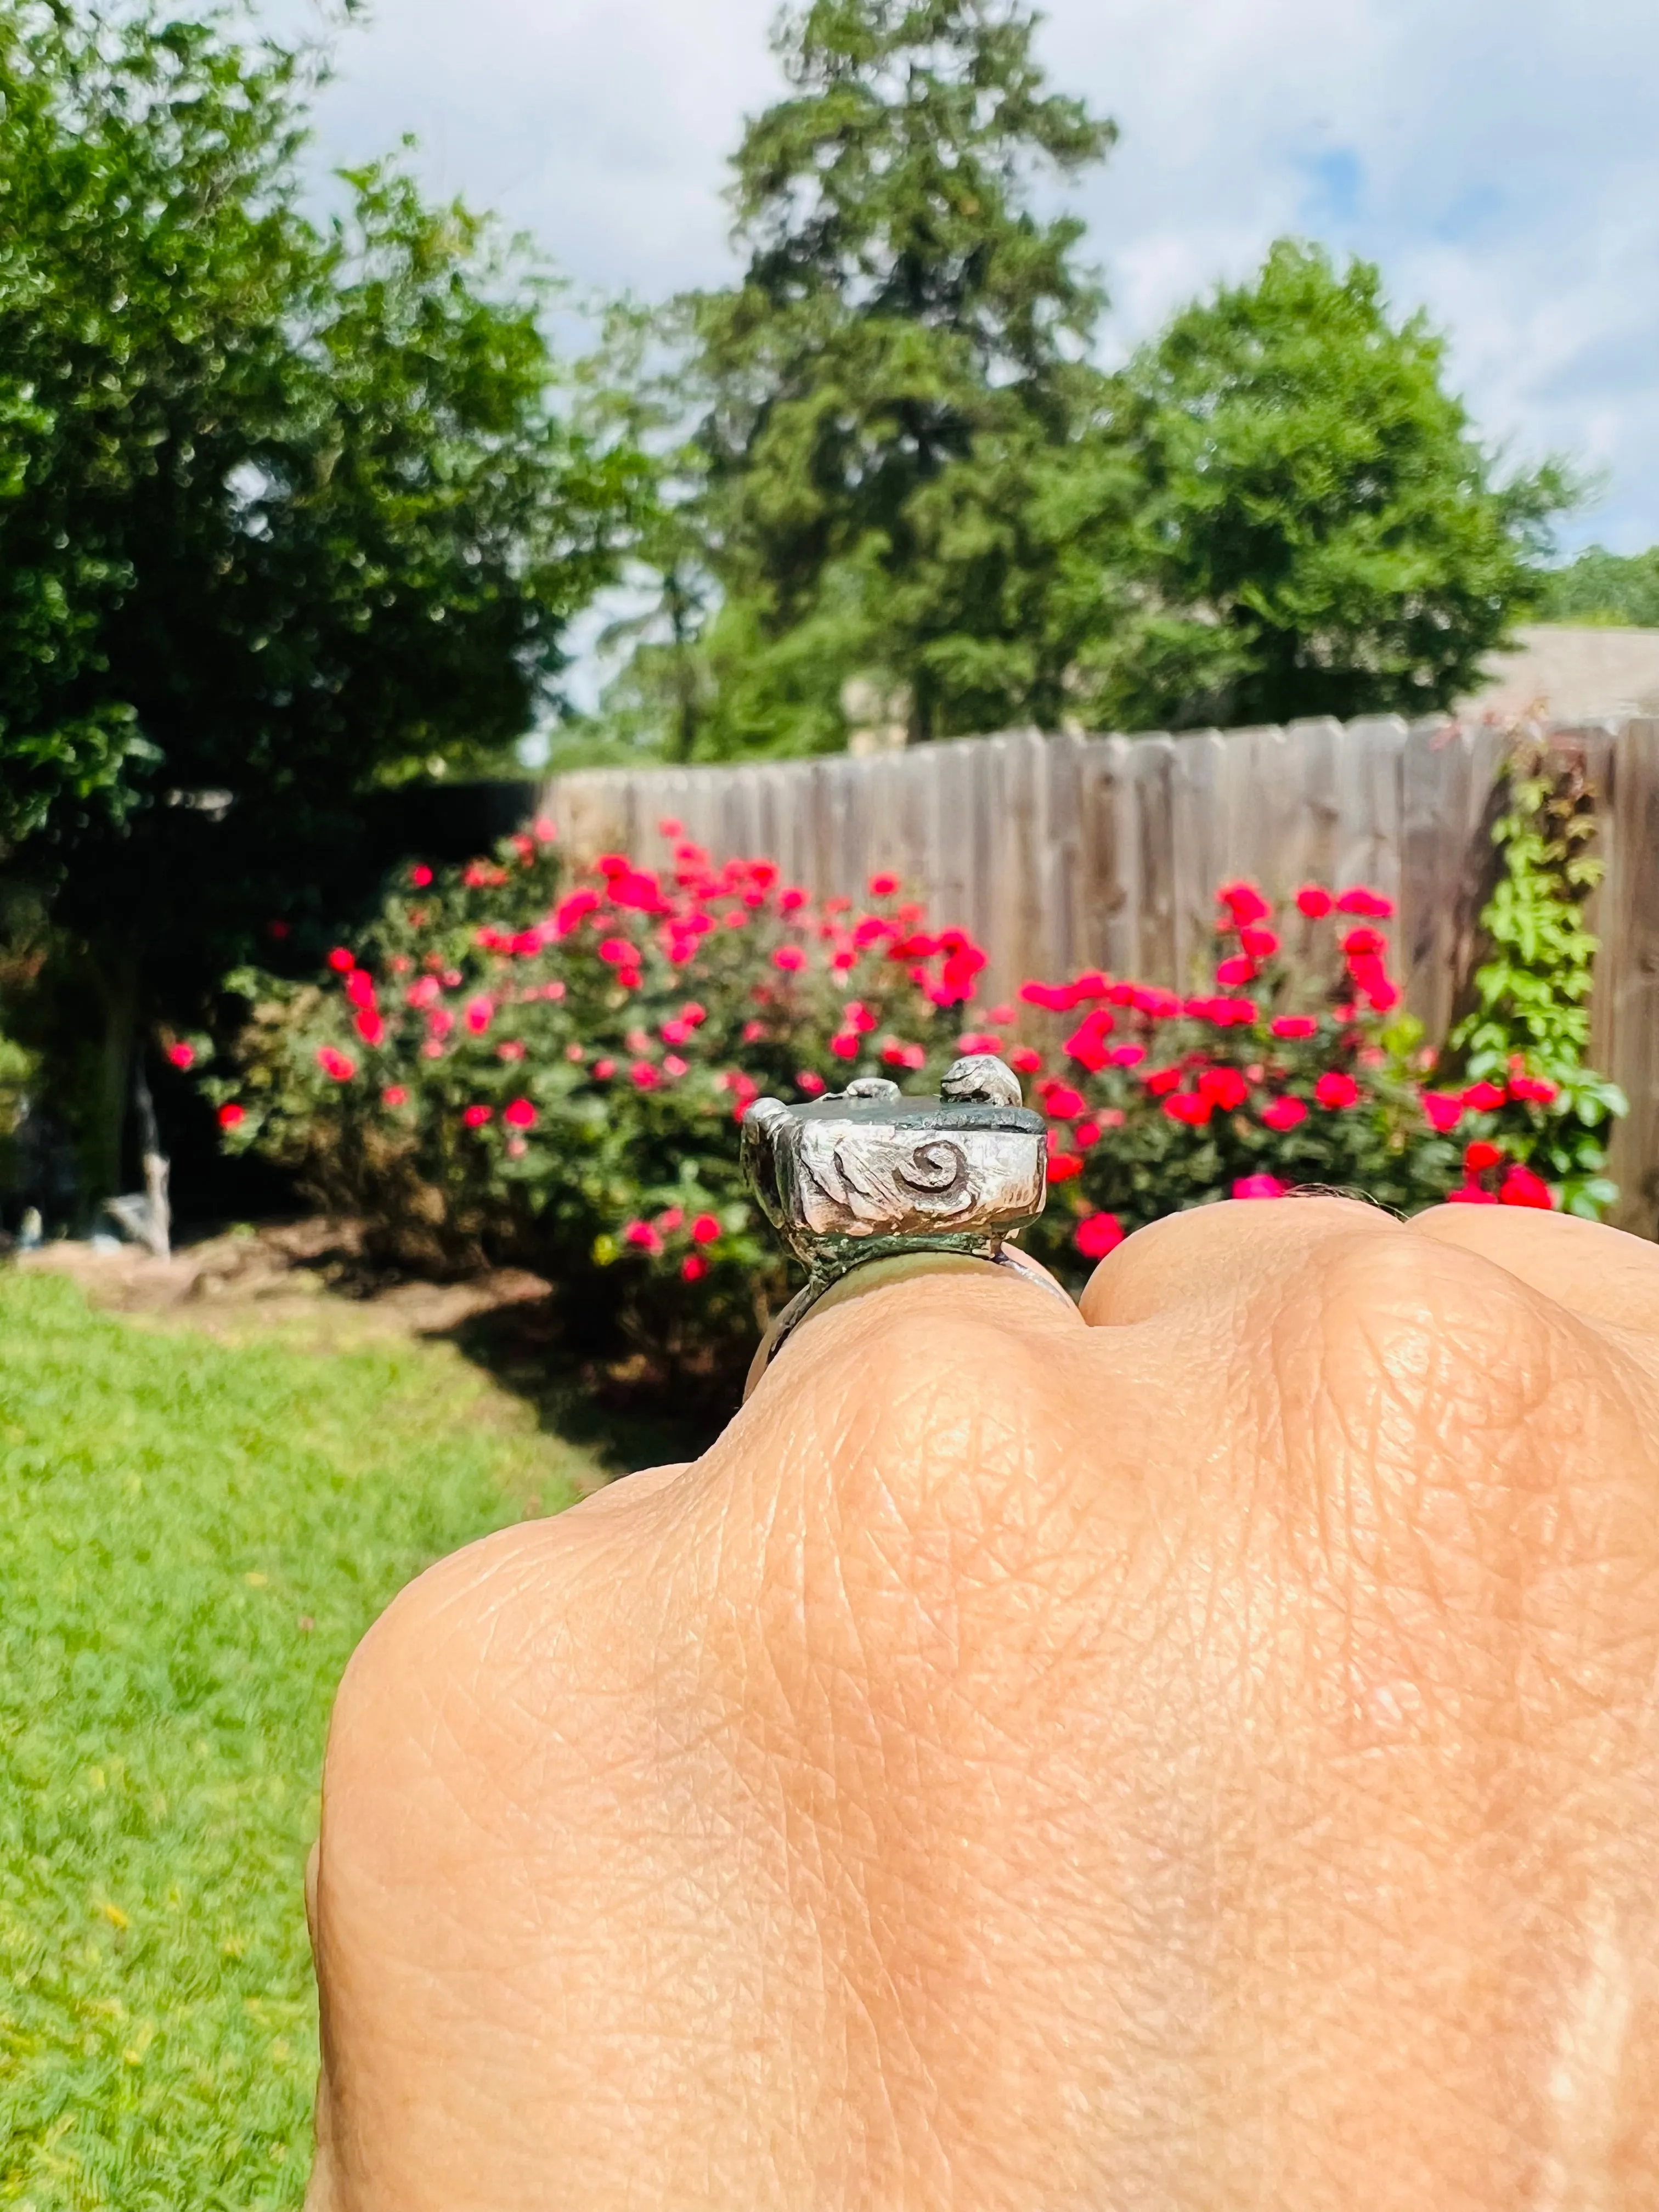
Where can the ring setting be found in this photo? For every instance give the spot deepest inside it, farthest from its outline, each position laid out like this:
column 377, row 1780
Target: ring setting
column 868, row 1174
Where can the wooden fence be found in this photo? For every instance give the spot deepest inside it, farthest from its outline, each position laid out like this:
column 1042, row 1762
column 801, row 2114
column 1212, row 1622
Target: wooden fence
column 1060, row 853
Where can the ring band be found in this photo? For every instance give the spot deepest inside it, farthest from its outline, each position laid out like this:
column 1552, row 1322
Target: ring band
column 807, row 1300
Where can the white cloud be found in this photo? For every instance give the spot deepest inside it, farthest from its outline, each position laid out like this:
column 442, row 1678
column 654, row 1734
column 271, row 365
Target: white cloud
column 1496, row 157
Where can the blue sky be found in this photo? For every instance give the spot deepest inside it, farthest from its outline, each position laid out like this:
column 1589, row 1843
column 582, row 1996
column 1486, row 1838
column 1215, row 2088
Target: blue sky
column 1496, row 157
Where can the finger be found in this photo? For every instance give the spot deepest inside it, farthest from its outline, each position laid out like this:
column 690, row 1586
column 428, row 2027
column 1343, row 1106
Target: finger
column 911, row 1267
column 1211, row 1259
column 910, row 1364
column 1602, row 1275
column 787, row 1328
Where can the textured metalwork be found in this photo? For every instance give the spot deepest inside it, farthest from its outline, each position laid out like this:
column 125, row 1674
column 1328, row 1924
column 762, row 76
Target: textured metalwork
column 868, row 1174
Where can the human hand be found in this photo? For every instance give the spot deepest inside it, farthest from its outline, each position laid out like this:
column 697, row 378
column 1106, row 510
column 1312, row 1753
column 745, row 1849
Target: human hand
column 1197, row 1754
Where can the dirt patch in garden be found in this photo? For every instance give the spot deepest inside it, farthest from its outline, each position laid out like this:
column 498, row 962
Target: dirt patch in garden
column 305, row 1279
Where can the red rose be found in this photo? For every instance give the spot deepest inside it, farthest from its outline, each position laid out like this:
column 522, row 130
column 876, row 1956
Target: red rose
column 1532, row 1092
column 1224, row 1087
column 1190, row 1108
column 1334, row 1090
column 1098, row 1234
column 897, row 1054
column 1359, row 900
column 1365, row 943
column 1244, row 903
column 1260, row 1185
column 1061, row 1103
column 1522, row 1188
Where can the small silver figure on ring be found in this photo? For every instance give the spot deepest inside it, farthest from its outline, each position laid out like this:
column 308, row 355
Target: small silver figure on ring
column 867, row 1174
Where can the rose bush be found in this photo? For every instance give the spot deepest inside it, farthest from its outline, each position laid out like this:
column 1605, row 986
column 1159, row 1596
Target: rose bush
column 522, row 1063
column 514, row 1065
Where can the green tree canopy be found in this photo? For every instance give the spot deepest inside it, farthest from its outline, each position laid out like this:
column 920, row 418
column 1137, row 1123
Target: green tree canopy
column 1320, row 532
column 1620, row 591
column 899, row 407
column 287, row 508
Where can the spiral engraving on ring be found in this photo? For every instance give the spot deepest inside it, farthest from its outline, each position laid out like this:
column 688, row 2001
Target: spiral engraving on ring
column 937, row 1172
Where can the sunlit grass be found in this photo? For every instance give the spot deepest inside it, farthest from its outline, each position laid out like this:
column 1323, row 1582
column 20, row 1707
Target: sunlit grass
column 193, row 1537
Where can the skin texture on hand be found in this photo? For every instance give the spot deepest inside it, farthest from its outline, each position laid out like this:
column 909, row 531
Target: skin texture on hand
column 1200, row 1754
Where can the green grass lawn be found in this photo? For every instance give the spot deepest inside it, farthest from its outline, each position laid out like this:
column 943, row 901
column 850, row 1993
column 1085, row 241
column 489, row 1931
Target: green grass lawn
column 193, row 1537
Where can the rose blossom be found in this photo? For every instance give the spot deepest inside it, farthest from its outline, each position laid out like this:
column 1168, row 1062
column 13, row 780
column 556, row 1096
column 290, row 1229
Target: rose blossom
column 1098, row 1234
column 1260, row 1185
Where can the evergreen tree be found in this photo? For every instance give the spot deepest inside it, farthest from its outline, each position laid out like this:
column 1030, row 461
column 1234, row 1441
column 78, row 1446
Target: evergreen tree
column 906, row 474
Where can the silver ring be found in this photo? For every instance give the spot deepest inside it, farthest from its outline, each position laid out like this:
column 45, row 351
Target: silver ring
column 867, row 1174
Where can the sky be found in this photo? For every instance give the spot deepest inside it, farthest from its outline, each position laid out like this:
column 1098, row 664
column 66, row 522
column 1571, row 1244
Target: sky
column 1496, row 157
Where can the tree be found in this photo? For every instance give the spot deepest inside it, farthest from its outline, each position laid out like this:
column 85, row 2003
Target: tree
column 633, row 388
column 1615, row 590
column 287, row 511
column 903, row 474
column 1320, row 532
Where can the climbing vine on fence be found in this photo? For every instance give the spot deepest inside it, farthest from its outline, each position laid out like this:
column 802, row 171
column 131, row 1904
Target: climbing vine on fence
column 1531, row 1022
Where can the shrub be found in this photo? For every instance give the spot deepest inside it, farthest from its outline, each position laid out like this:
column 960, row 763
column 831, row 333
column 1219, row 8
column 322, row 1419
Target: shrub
column 519, row 1064
column 1529, row 1031
column 517, row 1067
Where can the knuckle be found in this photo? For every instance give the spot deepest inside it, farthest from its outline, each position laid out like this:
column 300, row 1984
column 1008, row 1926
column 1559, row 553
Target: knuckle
column 423, row 1698
column 928, row 1392
column 1422, row 1318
